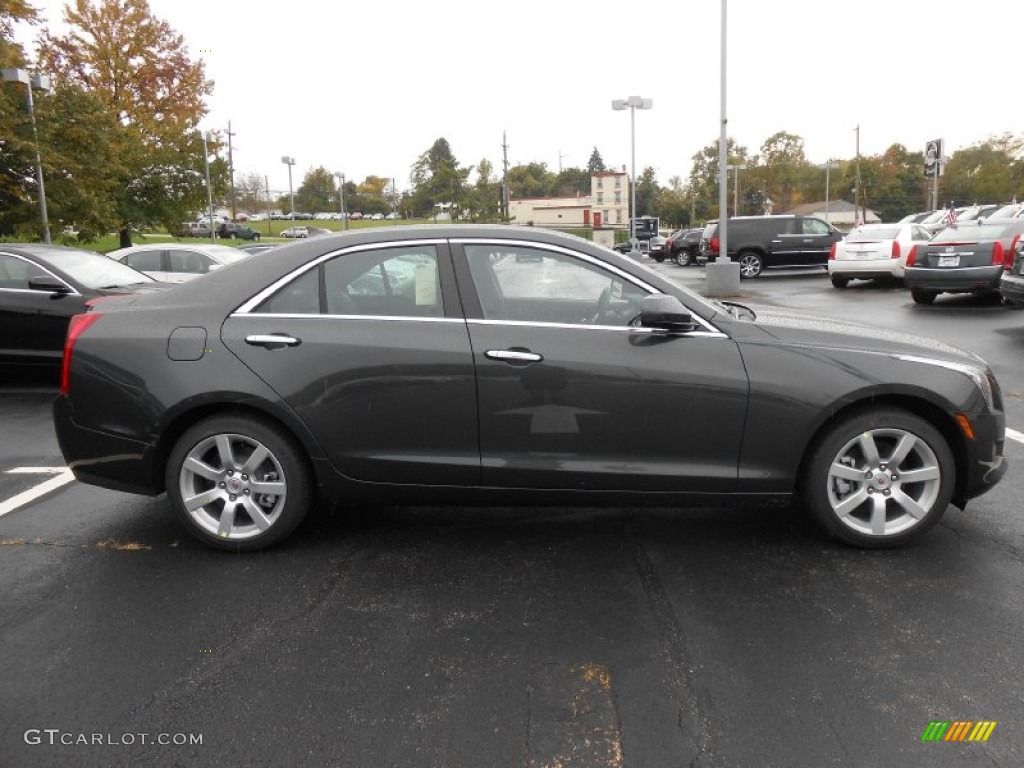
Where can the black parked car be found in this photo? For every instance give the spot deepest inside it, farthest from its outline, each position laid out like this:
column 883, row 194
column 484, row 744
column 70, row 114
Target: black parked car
column 684, row 246
column 759, row 242
column 1011, row 283
column 43, row 286
column 429, row 365
column 963, row 258
column 230, row 230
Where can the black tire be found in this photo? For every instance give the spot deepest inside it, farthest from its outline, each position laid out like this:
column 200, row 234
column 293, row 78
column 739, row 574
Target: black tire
column 259, row 518
column 256, row 237
column 840, row 282
column 922, row 297
column 751, row 264
column 682, row 257
column 864, row 499
column 659, row 259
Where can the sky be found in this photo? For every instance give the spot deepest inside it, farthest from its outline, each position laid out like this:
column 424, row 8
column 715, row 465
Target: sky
column 365, row 88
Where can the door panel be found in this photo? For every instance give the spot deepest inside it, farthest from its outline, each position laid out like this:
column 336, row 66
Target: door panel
column 389, row 398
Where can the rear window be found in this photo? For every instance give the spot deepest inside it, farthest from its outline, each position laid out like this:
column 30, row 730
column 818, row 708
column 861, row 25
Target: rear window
column 971, row 232
column 862, row 234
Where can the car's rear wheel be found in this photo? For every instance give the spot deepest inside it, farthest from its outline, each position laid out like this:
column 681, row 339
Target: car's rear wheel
column 682, row 257
column 750, row 263
column 921, row 297
column 238, row 482
column 840, row 282
column 879, row 478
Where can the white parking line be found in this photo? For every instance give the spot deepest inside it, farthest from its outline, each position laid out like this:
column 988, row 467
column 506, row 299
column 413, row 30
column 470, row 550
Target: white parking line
column 61, row 476
column 1013, row 434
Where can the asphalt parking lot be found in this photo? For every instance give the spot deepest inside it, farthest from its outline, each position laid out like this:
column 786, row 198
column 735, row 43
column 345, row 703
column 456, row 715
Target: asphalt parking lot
column 734, row 636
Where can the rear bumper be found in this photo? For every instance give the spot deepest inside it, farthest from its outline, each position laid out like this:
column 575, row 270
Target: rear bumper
column 866, row 268
column 99, row 458
column 954, row 279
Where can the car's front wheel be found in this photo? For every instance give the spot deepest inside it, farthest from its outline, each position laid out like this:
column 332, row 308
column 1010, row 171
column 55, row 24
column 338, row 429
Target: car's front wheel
column 682, row 257
column 879, row 478
column 237, row 482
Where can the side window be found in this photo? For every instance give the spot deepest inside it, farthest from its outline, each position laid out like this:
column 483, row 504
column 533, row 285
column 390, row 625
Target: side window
column 785, row 226
column 299, row 297
column 526, row 284
column 398, row 282
column 144, row 261
column 15, row 273
column 920, row 233
column 815, row 227
column 192, row 262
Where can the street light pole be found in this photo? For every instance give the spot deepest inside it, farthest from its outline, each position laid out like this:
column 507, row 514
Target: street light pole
column 341, row 195
column 633, row 103
column 290, row 161
column 41, row 83
column 736, row 187
column 828, row 167
column 209, row 191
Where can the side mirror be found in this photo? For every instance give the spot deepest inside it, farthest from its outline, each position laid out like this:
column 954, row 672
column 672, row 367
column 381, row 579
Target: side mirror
column 665, row 313
column 49, row 284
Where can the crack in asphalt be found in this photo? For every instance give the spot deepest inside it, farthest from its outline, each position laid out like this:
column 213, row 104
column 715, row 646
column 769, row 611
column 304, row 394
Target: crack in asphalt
column 692, row 721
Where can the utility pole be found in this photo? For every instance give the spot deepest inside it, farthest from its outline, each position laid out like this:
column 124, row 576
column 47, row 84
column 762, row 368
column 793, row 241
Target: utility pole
column 231, row 172
column 266, row 180
column 504, row 177
column 560, row 156
column 858, row 215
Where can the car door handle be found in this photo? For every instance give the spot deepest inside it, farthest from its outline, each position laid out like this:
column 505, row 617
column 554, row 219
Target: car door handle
column 513, row 355
column 272, row 339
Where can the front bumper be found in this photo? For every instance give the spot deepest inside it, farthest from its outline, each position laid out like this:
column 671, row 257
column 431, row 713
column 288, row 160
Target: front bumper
column 954, row 279
column 985, row 463
column 1012, row 288
column 106, row 460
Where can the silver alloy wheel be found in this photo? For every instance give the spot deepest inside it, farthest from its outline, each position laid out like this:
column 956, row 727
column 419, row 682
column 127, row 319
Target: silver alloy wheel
column 750, row 265
column 884, row 482
column 232, row 487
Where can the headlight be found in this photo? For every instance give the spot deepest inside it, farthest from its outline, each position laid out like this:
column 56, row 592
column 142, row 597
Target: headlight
column 979, row 376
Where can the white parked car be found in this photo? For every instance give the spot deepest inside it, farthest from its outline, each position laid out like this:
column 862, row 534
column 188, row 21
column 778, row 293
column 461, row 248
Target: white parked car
column 177, row 262
column 295, row 232
column 874, row 251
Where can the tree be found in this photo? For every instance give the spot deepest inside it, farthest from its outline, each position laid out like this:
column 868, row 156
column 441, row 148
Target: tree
column 595, row 164
column 704, row 177
column 484, row 199
column 530, row 180
column 786, row 169
column 251, row 191
column 647, row 193
column 316, row 193
column 438, row 180
column 139, row 68
column 571, row 181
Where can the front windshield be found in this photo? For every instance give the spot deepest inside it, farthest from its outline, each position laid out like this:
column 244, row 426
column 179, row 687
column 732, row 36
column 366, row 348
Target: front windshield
column 93, row 270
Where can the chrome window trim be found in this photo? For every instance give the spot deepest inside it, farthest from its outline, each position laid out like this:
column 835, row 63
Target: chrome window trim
column 585, row 257
column 582, row 326
column 300, row 316
column 40, row 266
column 250, row 304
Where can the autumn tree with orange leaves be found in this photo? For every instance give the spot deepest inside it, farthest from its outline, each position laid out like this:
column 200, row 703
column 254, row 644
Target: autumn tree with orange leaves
column 139, row 68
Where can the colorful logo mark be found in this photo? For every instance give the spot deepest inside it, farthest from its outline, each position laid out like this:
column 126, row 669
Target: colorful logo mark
column 958, row 730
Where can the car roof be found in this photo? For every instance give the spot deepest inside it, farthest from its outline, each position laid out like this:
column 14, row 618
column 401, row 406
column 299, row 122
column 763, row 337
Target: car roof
column 208, row 248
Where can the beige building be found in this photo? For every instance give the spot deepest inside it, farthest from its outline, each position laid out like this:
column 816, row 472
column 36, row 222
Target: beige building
column 607, row 207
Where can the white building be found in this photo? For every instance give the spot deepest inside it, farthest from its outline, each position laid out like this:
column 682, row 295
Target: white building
column 607, row 206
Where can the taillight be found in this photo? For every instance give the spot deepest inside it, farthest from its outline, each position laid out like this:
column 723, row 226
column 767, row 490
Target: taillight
column 895, row 249
column 912, row 256
column 832, row 252
column 714, row 245
column 998, row 255
column 1008, row 260
column 76, row 328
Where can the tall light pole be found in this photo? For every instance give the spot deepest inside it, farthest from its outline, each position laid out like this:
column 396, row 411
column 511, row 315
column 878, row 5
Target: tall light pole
column 827, row 167
column 736, row 187
column 633, row 103
column 209, row 190
column 290, row 161
column 38, row 83
column 723, row 151
column 341, row 195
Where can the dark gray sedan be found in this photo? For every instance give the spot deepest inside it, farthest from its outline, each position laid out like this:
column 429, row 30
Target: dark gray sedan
column 502, row 365
column 962, row 258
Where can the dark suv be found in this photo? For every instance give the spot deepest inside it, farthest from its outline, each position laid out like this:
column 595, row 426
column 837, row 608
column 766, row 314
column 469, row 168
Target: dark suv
column 231, row 230
column 757, row 243
column 684, row 246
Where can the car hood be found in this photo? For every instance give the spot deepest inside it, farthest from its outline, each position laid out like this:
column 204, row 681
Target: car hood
column 809, row 329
